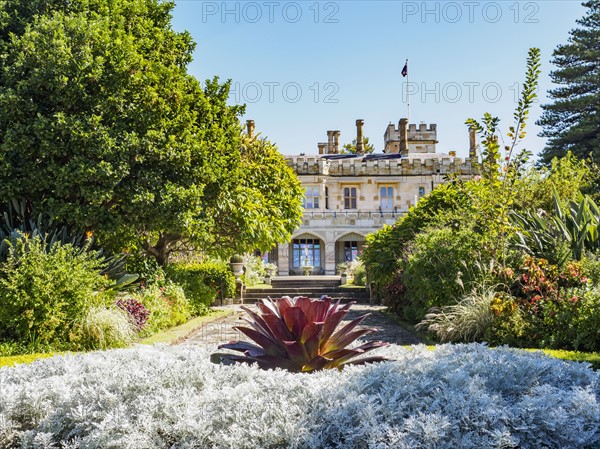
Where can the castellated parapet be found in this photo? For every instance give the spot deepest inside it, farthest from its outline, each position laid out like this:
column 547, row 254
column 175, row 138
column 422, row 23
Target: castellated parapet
column 359, row 166
column 408, row 138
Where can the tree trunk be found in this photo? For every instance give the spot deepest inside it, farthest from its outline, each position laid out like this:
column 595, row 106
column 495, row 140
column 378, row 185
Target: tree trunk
column 162, row 249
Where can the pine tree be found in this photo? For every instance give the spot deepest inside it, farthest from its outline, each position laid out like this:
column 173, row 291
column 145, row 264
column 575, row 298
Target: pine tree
column 572, row 121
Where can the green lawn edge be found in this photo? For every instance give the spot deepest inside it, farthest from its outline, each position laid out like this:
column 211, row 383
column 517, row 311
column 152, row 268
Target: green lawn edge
column 170, row 336
column 13, row 360
column 179, row 333
column 259, row 287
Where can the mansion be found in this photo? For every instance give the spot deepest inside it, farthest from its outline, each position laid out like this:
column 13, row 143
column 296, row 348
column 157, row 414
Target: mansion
column 348, row 196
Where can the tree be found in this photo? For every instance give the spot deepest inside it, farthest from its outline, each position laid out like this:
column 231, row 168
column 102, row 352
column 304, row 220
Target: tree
column 102, row 127
column 350, row 148
column 572, row 121
column 267, row 194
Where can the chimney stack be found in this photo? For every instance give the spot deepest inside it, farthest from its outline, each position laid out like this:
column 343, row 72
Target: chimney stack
column 321, row 146
column 472, row 144
column 403, row 125
column 360, row 148
column 250, row 128
column 329, row 142
column 336, row 142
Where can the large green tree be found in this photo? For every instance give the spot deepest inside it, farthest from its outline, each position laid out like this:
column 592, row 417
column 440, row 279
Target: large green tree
column 572, row 121
column 102, row 127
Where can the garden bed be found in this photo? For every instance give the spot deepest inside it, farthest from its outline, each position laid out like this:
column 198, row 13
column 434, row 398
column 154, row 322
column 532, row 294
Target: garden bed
column 457, row 396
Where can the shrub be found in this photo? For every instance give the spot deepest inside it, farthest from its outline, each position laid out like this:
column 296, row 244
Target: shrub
column 203, row 282
column 586, row 321
column 453, row 397
column 434, row 274
column 590, row 265
column 468, row 321
column 236, row 258
column 102, row 328
column 167, row 305
column 148, row 269
column 138, row 314
column 254, row 270
column 43, row 293
column 359, row 274
column 384, row 249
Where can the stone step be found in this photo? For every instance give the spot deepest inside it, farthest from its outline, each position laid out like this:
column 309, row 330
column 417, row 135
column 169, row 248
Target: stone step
column 297, row 284
column 359, row 295
column 303, row 289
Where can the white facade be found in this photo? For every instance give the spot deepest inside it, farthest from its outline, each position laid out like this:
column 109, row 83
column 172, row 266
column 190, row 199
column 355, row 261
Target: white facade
column 350, row 196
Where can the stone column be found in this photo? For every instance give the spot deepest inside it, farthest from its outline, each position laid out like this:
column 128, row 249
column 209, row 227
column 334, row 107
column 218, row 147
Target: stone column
column 329, row 142
column 472, row 144
column 336, row 142
column 283, row 259
column 250, row 128
column 403, row 125
column 360, row 148
column 329, row 267
column 321, row 147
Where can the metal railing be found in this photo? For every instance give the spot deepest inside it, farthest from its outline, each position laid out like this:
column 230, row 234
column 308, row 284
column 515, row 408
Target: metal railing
column 354, row 213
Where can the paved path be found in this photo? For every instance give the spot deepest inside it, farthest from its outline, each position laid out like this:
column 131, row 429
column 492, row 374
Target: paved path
column 221, row 330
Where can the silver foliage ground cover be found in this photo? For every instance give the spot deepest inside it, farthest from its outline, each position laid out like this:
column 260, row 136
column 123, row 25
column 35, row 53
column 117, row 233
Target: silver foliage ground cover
column 458, row 396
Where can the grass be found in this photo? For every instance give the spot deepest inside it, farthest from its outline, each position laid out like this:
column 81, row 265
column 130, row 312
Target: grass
column 259, row 286
column 179, row 333
column 13, row 360
column 170, row 336
column 591, row 357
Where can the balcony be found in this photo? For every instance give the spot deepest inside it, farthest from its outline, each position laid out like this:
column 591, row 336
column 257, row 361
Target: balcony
column 351, row 217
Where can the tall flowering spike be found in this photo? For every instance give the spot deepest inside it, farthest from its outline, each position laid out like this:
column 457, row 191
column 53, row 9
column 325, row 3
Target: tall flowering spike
column 299, row 335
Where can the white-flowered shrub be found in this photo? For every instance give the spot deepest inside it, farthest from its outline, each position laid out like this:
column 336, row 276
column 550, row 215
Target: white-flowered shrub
column 456, row 396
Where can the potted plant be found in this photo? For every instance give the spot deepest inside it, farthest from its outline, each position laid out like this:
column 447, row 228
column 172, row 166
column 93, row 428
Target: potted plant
column 270, row 269
column 237, row 263
column 342, row 268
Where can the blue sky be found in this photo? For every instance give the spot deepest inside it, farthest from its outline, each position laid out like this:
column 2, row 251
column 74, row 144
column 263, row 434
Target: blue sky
column 305, row 67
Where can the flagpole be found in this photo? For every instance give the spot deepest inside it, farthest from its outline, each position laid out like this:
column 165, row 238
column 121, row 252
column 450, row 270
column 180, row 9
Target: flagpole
column 407, row 95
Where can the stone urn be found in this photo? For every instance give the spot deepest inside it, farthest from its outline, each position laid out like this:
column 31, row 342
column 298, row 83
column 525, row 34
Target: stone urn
column 236, row 263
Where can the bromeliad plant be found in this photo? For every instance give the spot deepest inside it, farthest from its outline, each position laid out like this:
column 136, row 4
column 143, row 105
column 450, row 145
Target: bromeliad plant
column 299, row 335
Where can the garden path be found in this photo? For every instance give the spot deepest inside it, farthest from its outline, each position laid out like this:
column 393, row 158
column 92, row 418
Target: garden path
column 221, row 330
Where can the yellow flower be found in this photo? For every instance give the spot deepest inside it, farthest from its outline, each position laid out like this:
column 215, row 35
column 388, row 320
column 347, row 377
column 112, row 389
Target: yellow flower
column 89, row 234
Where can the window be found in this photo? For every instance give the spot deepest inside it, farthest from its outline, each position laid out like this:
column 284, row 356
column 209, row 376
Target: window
column 386, row 198
column 349, row 197
column 311, row 200
column 326, row 197
column 350, row 251
column 306, row 253
column 421, row 192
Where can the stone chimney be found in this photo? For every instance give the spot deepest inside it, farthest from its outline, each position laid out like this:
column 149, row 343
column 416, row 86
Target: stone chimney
column 250, row 128
column 329, row 142
column 403, row 127
column 360, row 147
column 336, row 142
column 472, row 144
column 321, row 146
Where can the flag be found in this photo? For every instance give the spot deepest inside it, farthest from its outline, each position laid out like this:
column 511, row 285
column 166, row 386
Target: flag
column 405, row 69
